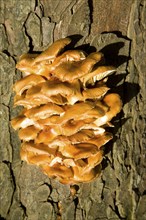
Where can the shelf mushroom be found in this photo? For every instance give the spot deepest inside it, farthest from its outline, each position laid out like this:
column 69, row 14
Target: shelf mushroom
column 66, row 111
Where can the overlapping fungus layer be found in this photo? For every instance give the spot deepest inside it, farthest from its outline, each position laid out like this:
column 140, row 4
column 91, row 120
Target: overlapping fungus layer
column 66, row 111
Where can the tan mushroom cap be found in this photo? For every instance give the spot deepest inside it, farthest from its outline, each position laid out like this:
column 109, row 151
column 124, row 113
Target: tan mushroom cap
column 39, row 148
column 57, row 170
column 50, row 132
column 88, row 64
column 34, row 158
column 68, row 128
column 78, row 151
column 80, row 176
column 69, row 56
column 100, row 140
column 43, row 111
column 27, row 82
column 25, row 64
column 21, row 122
column 84, row 110
column 95, row 159
column 59, row 141
column 53, row 90
column 98, row 74
column 53, row 50
column 114, row 103
column 87, row 148
column 38, row 99
column 28, row 133
column 35, row 64
column 52, row 120
column 95, row 93
column 113, row 100
column 40, row 159
column 69, row 71
column 47, row 135
column 71, row 127
column 81, row 136
column 66, row 57
column 71, row 175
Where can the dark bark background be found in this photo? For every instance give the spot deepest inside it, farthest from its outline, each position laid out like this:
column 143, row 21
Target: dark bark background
column 118, row 29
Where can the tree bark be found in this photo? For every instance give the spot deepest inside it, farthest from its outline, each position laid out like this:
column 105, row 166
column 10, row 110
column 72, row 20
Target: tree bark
column 118, row 29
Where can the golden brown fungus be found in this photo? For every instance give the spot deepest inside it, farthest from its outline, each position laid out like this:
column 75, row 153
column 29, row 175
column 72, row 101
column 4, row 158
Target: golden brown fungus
column 66, row 112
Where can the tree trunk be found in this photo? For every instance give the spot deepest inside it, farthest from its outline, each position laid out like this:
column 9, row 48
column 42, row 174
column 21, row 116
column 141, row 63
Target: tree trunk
column 118, row 29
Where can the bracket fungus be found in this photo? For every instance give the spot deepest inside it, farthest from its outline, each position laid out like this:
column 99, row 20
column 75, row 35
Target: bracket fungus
column 66, row 111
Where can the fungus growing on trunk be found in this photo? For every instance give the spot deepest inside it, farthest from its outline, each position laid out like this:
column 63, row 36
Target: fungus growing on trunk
column 66, row 111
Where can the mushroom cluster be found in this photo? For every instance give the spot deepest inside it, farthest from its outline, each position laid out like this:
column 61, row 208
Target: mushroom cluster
column 66, row 111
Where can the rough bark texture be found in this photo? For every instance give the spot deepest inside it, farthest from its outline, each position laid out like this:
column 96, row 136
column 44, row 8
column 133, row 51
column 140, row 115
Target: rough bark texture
column 118, row 28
